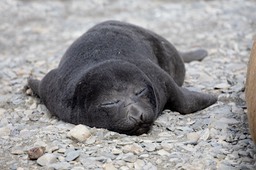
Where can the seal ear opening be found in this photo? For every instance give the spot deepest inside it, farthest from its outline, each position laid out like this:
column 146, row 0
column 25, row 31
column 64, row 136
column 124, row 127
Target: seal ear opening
column 190, row 101
column 34, row 85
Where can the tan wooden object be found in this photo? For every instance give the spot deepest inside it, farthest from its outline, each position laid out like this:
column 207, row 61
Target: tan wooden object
column 251, row 92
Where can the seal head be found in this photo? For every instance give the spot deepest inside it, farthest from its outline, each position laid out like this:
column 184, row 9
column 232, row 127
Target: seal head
column 117, row 96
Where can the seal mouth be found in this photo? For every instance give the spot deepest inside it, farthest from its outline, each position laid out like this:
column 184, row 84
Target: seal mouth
column 139, row 129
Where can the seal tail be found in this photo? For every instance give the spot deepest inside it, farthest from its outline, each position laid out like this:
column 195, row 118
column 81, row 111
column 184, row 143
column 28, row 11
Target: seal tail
column 196, row 55
column 34, row 85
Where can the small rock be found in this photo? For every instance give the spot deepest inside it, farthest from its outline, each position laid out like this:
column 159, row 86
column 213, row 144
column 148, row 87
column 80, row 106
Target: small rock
column 61, row 158
column 4, row 131
column 51, row 149
column 135, row 148
column 17, row 151
column 36, row 152
column 91, row 140
column 150, row 147
column 40, row 143
column 193, row 136
column 116, row 151
column 2, row 111
column 159, row 161
column 223, row 166
column 35, row 116
column 124, row 168
column 61, row 150
column 20, row 168
column 109, row 166
column 60, row 165
column 130, row 157
column 47, row 159
column 167, row 146
column 205, row 134
column 222, row 86
column 78, row 168
column 139, row 164
column 79, row 133
column 228, row 120
column 162, row 152
column 72, row 155
column 144, row 156
column 150, row 166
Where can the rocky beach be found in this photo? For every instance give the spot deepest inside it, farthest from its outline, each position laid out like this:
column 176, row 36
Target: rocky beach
column 35, row 35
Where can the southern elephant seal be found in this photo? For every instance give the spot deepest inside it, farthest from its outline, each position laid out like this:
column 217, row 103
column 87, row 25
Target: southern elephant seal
column 120, row 77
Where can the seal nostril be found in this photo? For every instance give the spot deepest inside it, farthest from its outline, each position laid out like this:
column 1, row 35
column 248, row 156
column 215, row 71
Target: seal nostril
column 141, row 116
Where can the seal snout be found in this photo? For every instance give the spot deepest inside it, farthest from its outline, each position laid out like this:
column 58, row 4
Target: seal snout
column 136, row 114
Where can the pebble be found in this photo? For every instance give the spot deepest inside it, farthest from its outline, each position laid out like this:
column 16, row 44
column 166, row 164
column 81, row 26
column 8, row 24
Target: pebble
column 72, row 155
column 150, row 147
column 222, row 86
column 139, row 164
column 109, row 166
column 17, row 151
column 162, row 152
column 130, row 157
column 4, row 132
column 193, row 136
column 135, row 148
column 205, row 134
column 167, row 146
column 36, row 152
column 116, row 151
column 79, row 133
column 2, row 111
column 47, row 159
column 60, row 165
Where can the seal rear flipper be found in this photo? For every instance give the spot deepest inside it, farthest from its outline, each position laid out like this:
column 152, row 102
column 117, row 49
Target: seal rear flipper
column 34, row 85
column 189, row 101
column 196, row 55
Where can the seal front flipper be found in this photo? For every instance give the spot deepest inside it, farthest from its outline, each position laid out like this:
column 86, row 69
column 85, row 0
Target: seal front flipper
column 34, row 85
column 196, row 55
column 186, row 101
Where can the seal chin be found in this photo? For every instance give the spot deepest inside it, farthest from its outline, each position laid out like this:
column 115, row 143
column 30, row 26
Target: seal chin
column 138, row 129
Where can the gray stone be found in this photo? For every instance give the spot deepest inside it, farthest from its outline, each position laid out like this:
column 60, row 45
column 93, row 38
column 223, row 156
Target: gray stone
column 4, row 132
column 60, row 165
column 149, row 146
column 47, row 159
column 72, row 155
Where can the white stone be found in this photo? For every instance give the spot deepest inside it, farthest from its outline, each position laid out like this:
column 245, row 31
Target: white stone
column 139, row 164
column 193, row 136
column 135, row 148
column 79, row 133
column 109, row 166
column 162, row 152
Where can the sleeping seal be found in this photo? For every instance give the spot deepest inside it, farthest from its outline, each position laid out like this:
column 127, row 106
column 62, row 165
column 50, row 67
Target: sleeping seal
column 120, row 77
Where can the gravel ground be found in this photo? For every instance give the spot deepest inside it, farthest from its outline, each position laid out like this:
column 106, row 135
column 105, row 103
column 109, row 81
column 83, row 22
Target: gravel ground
column 34, row 36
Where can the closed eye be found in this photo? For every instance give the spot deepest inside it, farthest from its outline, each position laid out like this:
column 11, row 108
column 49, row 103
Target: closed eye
column 141, row 92
column 110, row 104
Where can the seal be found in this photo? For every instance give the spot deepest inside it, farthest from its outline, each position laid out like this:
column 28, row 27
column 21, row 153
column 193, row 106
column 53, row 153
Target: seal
column 120, row 77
